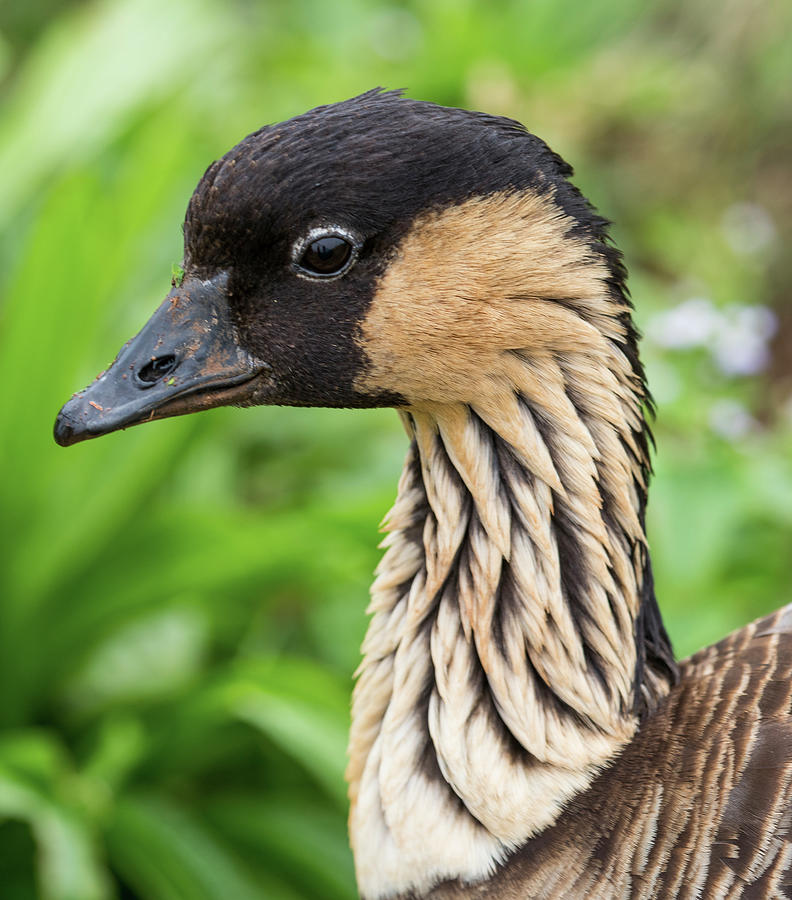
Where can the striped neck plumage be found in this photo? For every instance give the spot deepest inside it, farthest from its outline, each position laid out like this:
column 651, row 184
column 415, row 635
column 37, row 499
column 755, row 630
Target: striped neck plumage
column 515, row 643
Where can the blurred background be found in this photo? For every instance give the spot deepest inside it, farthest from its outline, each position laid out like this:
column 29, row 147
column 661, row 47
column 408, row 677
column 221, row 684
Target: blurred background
column 181, row 605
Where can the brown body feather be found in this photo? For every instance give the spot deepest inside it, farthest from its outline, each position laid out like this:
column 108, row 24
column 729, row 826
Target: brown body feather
column 698, row 805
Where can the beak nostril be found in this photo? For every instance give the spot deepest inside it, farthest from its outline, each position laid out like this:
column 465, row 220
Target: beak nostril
column 155, row 369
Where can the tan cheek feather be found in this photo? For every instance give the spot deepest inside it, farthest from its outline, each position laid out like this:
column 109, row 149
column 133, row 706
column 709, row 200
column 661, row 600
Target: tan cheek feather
column 478, row 279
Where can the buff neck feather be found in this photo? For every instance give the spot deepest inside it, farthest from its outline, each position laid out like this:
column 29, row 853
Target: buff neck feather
column 504, row 665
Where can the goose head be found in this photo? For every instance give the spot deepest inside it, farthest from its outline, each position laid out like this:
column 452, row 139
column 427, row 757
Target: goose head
column 376, row 252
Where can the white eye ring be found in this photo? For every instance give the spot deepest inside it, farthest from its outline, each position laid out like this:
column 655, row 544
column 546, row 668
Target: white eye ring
column 315, row 234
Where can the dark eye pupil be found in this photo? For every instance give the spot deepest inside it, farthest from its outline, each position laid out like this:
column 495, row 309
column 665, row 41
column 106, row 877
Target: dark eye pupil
column 326, row 255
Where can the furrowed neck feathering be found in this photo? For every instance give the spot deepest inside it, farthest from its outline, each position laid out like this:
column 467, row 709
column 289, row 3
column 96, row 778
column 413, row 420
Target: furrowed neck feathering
column 515, row 643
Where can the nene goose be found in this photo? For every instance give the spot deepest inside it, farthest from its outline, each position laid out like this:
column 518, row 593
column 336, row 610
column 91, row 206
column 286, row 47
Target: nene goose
column 519, row 727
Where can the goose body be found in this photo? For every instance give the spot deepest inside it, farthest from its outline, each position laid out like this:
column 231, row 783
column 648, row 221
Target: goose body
column 520, row 728
column 696, row 805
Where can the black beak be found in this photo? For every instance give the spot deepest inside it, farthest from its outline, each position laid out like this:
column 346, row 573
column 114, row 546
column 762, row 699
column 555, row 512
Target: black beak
column 186, row 358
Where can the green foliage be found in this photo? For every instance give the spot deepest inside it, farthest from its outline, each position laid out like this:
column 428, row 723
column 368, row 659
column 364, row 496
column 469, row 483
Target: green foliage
column 177, row 275
column 181, row 605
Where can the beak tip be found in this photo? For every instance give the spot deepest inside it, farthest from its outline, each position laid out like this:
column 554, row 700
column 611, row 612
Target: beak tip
column 63, row 432
column 68, row 428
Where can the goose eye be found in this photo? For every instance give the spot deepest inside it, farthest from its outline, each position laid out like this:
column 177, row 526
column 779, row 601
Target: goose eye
column 327, row 255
